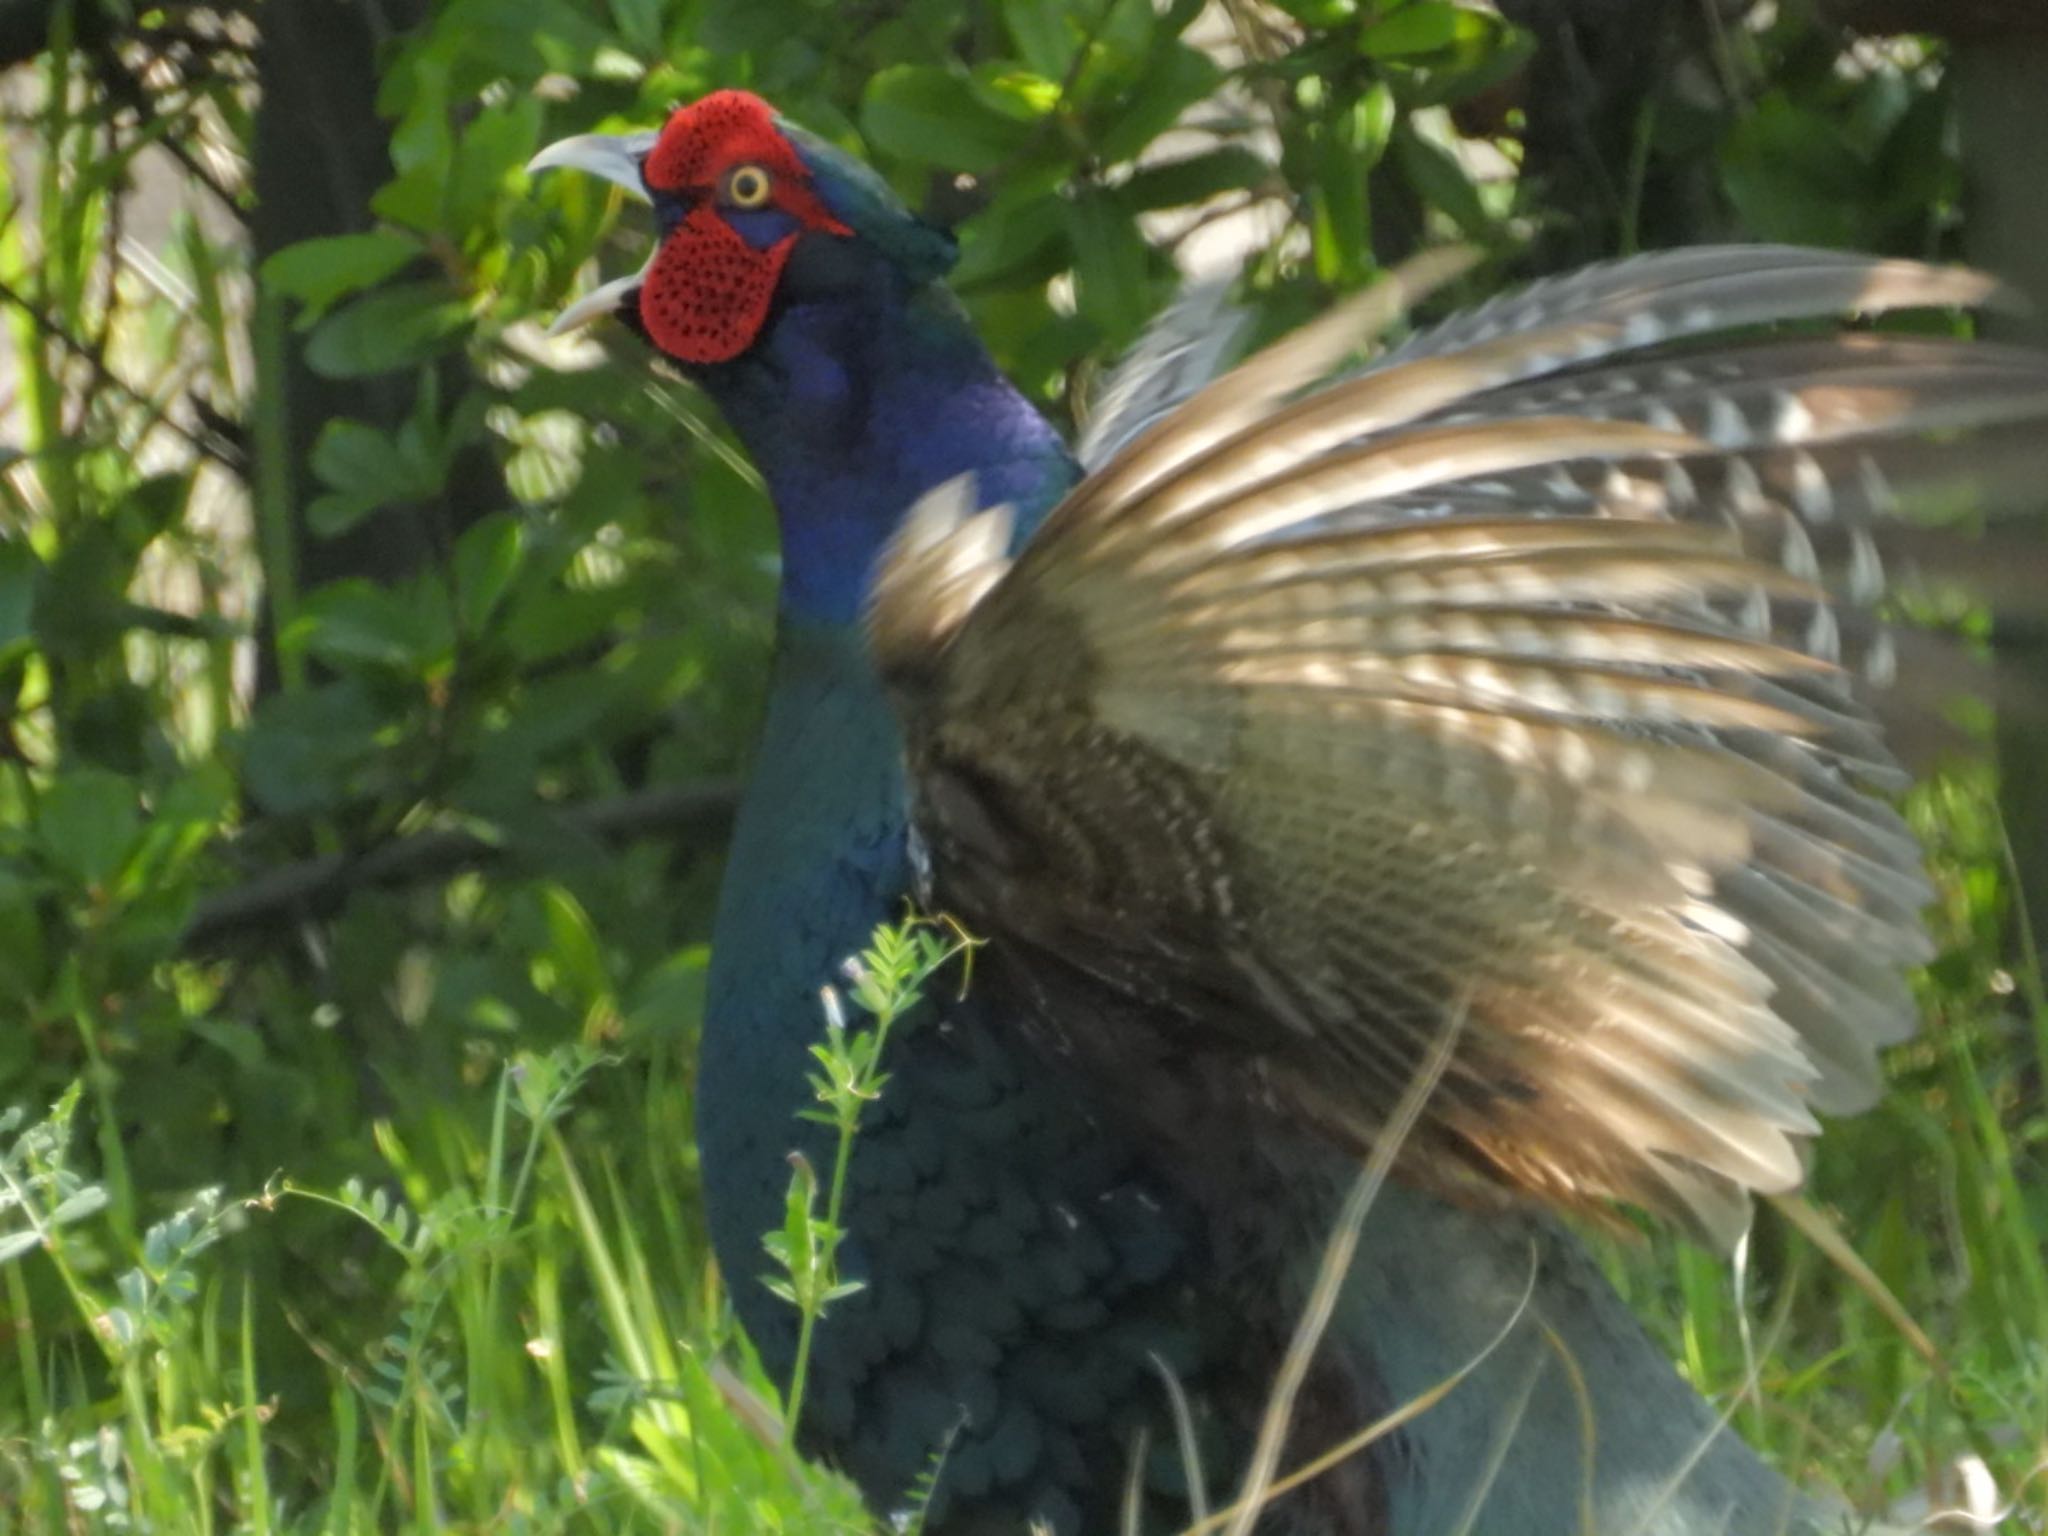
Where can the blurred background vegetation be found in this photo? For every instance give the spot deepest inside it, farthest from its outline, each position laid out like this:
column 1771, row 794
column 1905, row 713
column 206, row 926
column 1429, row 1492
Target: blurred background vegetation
column 376, row 673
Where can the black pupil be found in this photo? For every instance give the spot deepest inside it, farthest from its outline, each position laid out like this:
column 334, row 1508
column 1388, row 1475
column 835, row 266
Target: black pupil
column 748, row 186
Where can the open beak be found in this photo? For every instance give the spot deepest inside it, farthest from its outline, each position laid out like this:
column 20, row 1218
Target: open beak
column 617, row 159
column 601, row 303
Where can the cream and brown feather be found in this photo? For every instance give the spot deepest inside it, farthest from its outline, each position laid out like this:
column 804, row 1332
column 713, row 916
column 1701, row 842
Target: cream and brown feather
column 1526, row 672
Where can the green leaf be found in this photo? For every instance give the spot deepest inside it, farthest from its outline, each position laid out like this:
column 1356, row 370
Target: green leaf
column 19, row 572
column 748, row 26
column 302, row 749
column 491, row 39
column 639, row 24
column 933, row 117
column 151, row 507
column 24, row 965
column 553, row 712
column 1477, row 51
column 1436, row 175
column 364, row 470
column 413, row 198
column 494, row 149
column 422, row 139
column 669, row 999
column 1110, row 262
column 1793, row 175
column 1423, row 26
column 86, row 1202
column 1044, row 33
column 239, row 1040
column 574, row 948
column 1351, row 143
column 1176, row 183
column 1915, row 167
column 1014, row 92
column 1123, row 32
column 1367, row 126
column 1320, row 13
column 1174, row 80
column 547, row 623
column 486, row 559
column 398, row 327
column 352, row 623
column 1007, row 238
column 88, row 820
column 319, row 273
column 203, row 796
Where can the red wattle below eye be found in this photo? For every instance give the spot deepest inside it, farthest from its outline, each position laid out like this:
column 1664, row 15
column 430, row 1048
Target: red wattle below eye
column 707, row 294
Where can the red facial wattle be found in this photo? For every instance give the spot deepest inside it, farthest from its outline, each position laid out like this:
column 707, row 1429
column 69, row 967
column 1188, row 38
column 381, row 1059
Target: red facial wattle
column 708, row 292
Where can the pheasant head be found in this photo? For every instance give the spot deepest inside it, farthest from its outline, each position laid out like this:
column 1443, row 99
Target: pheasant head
column 794, row 286
column 754, row 213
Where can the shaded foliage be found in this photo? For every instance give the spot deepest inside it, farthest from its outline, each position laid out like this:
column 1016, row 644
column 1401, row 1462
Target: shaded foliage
column 372, row 678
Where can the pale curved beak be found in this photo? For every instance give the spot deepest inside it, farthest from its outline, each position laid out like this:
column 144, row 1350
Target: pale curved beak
column 617, row 159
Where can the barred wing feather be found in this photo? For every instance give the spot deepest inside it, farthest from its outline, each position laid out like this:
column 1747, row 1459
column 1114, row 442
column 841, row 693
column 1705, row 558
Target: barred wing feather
column 1179, row 353
column 1521, row 675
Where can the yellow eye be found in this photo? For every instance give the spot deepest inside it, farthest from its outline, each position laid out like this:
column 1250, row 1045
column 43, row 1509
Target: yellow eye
column 747, row 186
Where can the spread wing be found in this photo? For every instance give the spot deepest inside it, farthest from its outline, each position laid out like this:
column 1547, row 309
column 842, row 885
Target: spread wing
column 1180, row 352
column 1525, row 676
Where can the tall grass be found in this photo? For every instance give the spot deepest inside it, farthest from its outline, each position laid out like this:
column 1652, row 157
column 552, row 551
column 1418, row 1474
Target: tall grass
column 555, row 1367
column 562, row 1359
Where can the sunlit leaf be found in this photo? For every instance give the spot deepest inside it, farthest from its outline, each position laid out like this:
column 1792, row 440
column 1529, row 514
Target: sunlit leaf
column 319, row 273
column 88, row 821
column 486, row 558
column 922, row 113
column 398, row 327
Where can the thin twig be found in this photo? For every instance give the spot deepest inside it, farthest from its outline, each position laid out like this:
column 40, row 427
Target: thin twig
column 121, row 83
column 315, row 886
column 1184, row 1431
column 1387, row 1423
column 1497, row 1454
column 223, row 455
column 1336, row 1265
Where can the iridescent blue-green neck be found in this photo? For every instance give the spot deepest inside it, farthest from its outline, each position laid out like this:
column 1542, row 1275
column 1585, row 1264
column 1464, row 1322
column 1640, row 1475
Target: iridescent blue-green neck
column 859, row 398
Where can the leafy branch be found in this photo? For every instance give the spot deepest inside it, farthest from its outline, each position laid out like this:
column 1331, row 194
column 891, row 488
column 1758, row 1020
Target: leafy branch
column 887, row 982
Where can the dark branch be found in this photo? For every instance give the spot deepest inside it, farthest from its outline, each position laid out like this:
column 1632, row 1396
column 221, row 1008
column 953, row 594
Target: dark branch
column 317, row 887
column 1973, row 20
column 25, row 27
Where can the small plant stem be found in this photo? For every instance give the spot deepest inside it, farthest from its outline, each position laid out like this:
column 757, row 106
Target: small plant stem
column 273, row 487
column 255, row 1480
column 547, row 1305
column 889, row 981
column 835, row 1203
column 113, row 1154
column 341, row 1504
column 88, row 1306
